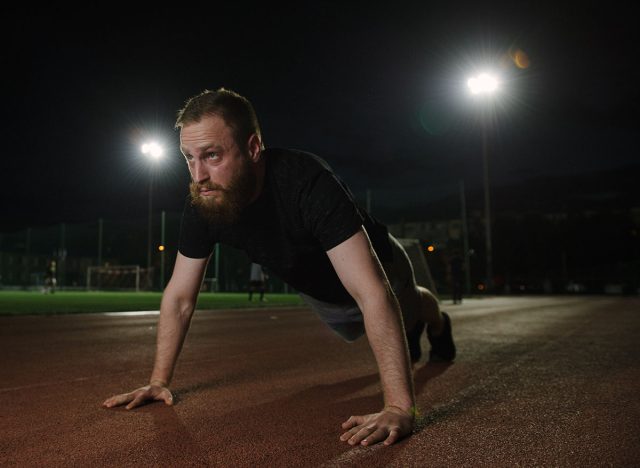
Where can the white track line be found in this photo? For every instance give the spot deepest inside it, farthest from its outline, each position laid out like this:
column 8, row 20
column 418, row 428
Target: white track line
column 133, row 313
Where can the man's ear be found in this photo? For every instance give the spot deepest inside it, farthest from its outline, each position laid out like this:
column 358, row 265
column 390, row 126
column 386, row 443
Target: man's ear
column 255, row 147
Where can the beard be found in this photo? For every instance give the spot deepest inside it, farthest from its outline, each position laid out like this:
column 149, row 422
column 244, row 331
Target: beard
column 226, row 205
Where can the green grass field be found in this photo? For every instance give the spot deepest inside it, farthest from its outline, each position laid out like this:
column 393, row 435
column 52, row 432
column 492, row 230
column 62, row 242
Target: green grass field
column 36, row 303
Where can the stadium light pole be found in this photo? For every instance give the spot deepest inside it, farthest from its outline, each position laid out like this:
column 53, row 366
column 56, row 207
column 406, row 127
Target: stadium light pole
column 154, row 153
column 483, row 86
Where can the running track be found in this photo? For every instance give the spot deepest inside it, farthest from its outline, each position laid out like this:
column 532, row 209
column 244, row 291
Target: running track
column 539, row 381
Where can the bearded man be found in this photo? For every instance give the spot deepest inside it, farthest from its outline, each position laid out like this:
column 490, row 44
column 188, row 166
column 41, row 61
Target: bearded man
column 290, row 213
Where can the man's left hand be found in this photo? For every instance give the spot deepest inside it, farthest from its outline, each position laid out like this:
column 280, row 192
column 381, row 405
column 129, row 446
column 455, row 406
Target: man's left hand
column 389, row 425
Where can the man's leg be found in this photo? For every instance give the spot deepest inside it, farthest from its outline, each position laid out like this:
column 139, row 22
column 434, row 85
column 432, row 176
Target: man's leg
column 426, row 311
column 419, row 308
column 429, row 311
column 418, row 305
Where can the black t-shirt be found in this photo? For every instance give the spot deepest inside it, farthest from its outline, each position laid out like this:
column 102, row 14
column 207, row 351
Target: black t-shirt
column 303, row 211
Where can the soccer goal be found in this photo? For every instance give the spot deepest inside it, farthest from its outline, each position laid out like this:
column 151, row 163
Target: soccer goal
column 117, row 278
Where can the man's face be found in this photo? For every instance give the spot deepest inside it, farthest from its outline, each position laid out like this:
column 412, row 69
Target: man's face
column 223, row 180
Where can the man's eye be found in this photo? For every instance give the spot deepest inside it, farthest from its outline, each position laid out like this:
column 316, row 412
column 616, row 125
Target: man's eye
column 212, row 156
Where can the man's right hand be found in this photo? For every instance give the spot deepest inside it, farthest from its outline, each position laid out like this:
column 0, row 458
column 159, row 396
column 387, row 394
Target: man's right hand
column 141, row 396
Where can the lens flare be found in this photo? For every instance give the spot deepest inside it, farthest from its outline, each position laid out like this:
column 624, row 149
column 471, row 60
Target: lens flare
column 519, row 58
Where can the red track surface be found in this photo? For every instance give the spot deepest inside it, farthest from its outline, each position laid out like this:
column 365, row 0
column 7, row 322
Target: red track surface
column 538, row 381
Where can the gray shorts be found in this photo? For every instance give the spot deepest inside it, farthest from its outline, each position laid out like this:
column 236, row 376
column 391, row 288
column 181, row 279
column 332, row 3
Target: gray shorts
column 347, row 320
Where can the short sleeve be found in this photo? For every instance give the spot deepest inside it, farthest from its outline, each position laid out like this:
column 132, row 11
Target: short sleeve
column 195, row 238
column 329, row 211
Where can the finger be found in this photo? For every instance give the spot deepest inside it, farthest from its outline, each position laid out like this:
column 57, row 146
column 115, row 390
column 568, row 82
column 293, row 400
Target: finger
column 375, row 437
column 347, row 435
column 394, row 436
column 362, row 434
column 350, row 433
column 107, row 402
column 118, row 400
column 165, row 396
column 137, row 401
column 352, row 422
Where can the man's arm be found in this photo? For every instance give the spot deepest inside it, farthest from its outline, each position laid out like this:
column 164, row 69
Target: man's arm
column 176, row 310
column 362, row 275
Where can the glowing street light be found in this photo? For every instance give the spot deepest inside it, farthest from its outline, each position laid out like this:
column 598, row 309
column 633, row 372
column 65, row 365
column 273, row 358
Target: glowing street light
column 485, row 84
column 154, row 152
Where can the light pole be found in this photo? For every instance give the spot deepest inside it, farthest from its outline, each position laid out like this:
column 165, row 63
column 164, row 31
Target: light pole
column 483, row 87
column 162, row 249
column 154, row 152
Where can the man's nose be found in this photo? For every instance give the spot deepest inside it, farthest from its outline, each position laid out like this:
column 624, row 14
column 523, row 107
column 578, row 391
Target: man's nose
column 200, row 173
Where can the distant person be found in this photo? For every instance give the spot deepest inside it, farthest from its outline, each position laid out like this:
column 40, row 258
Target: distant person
column 457, row 269
column 257, row 281
column 290, row 213
column 50, row 280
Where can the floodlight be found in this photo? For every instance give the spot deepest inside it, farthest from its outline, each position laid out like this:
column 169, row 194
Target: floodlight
column 153, row 150
column 484, row 83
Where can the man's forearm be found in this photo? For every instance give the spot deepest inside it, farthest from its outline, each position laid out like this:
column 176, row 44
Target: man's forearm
column 173, row 325
column 385, row 331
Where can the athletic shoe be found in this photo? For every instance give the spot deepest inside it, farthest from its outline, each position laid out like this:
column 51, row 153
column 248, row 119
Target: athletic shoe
column 413, row 340
column 442, row 346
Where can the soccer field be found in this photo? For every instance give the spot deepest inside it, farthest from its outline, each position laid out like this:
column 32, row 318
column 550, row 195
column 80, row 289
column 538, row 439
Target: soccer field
column 62, row 302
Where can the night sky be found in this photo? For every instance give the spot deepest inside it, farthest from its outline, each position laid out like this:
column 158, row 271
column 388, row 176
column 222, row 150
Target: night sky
column 380, row 93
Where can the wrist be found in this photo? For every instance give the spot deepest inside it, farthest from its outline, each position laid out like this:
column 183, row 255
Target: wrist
column 411, row 411
column 158, row 383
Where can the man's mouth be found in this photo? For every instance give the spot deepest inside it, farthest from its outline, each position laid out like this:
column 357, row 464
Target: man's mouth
column 206, row 192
